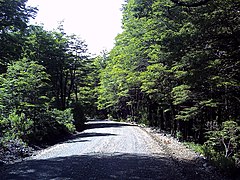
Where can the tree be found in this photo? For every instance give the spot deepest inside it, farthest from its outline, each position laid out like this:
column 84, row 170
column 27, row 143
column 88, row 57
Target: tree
column 66, row 60
column 15, row 15
column 24, row 94
column 45, row 78
column 177, row 62
column 14, row 18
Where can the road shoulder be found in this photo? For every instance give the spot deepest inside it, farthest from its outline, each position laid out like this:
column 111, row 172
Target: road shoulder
column 181, row 154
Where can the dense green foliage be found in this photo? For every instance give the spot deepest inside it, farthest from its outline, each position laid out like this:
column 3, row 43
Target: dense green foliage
column 14, row 18
column 45, row 79
column 222, row 146
column 176, row 66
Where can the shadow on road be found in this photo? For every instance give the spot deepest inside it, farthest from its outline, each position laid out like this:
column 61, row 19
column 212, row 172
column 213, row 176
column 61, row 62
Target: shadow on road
column 105, row 124
column 118, row 166
column 77, row 137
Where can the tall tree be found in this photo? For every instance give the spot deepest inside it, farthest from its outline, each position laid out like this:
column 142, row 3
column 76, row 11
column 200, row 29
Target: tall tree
column 179, row 61
column 66, row 60
column 14, row 18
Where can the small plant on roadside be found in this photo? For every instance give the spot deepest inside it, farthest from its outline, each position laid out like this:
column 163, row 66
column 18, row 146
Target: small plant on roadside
column 196, row 147
column 179, row 135
column 110, row 117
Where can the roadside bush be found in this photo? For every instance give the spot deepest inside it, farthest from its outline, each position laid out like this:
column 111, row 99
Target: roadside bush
column 223, row 146
column 51, row 125
column 64, row 118
column 15, row 126
column 196, row 147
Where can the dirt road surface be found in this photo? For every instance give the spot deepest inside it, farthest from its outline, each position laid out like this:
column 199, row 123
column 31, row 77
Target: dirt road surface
column 106, row 150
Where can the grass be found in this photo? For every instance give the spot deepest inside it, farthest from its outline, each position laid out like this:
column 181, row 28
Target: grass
column 196, row 147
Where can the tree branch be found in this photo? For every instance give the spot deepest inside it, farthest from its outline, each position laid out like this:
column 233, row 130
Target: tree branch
column 190, row 4
column 225, row 146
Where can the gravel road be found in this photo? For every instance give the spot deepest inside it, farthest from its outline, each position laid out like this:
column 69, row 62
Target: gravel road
column 106, row 150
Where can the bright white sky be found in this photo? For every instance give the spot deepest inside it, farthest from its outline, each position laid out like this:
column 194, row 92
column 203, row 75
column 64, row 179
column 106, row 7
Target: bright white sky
column 96, row 21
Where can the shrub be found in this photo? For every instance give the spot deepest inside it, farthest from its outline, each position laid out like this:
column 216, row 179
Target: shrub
column 196, row 147
column 64, row 118
column 223, row 146
column 16, row 126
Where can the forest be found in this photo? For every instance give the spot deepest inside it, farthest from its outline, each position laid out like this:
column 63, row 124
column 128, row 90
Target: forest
column 175, row 67
column 45, row 80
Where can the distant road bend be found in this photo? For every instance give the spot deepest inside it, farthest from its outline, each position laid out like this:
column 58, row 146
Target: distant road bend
column 106, row 150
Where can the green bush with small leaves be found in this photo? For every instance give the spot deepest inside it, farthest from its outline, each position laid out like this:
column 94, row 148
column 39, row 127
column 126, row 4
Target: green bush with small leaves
column 223, row 145
column 64, row 118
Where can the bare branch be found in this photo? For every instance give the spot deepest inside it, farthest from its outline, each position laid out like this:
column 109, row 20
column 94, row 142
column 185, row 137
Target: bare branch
column 225, row 147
